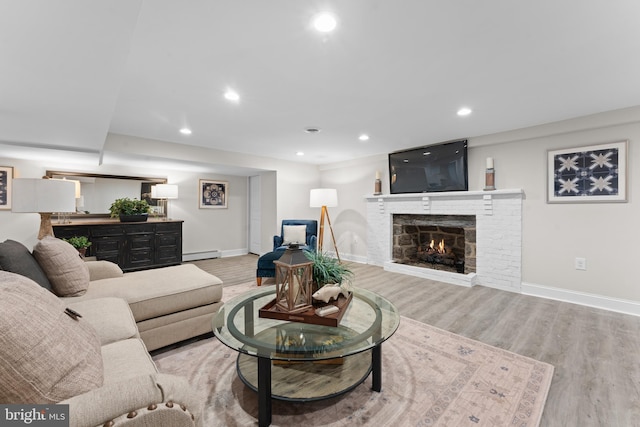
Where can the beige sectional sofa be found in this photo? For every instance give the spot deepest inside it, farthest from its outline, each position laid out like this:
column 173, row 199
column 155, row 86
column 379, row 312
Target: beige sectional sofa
column 95, row 362
column 98, row 363
column 169, row 304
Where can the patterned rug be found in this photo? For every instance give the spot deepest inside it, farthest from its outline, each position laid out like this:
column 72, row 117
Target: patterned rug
column 430, row 377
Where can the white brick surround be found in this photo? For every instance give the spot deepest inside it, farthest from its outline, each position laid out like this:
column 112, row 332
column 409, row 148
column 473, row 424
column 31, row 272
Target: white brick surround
column 498, row 233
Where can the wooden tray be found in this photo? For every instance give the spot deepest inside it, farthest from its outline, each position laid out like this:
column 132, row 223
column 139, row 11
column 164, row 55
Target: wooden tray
column 271, row 311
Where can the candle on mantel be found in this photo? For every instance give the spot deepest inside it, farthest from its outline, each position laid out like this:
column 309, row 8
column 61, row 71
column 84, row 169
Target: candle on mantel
column 377, row 174
column 489, row 162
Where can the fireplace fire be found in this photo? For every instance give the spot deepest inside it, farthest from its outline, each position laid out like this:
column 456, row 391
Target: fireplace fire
column 440, row 242
column 440, row 254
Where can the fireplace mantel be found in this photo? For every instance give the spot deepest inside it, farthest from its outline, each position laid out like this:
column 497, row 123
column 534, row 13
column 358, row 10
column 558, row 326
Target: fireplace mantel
column 499, row 233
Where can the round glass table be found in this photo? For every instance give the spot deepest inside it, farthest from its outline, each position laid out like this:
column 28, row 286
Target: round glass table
column 329, row 360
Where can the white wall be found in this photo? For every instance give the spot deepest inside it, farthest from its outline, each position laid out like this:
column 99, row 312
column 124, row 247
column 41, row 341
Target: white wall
column 285, row 188
column 553, row 234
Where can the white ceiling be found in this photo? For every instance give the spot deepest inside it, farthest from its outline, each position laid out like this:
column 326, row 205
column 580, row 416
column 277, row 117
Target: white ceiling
column 74, row 70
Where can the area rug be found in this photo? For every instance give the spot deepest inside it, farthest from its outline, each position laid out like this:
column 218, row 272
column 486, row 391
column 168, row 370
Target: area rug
column 430, row 377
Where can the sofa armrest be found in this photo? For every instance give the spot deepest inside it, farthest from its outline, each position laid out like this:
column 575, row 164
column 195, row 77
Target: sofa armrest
column 156, row 400
column 103, row 270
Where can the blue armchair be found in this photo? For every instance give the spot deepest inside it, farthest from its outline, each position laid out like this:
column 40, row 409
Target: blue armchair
column 290, row 232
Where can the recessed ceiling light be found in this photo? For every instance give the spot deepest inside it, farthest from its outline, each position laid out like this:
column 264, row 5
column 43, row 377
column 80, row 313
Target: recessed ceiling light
column 464, row 111
column 299, row 153
column 232, row 95
column 185, row 131
column 324, row 22
column 312, row 129
column 363, row 137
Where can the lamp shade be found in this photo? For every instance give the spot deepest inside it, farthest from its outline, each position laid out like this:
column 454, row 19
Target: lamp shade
column 323, row 197
column 164, row 191
column 43, row 195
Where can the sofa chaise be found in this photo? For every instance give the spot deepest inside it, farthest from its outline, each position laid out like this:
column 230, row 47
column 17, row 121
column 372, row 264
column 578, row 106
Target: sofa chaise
column 88, row 355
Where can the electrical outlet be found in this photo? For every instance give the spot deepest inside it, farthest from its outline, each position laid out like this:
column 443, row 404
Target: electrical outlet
column 581, row 263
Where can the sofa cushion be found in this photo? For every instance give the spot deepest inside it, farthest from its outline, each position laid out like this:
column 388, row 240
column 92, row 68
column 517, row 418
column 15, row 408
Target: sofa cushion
column 110, row 317
column 16, row 258
column 294, row 234
column 126, row 359
column 45, row 355
column 63, row 266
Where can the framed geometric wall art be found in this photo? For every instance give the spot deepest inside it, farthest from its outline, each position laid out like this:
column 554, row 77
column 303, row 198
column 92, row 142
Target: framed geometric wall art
column 6, row 177
column 593, row 173
column 213, row 194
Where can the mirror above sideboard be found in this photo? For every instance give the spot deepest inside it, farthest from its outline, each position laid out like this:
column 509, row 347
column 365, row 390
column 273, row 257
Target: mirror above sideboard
column 98, row 191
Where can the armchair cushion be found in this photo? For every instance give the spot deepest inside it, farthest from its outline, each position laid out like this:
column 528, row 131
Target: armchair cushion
column 63, row 266
column 294, row 234
column 45, row 355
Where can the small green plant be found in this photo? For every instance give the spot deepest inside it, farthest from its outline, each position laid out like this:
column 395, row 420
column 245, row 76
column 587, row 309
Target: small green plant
column 78, row 242
column 127, row 206
column 327, row 269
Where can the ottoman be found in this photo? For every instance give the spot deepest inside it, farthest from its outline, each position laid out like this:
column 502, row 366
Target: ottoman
column 266, row 268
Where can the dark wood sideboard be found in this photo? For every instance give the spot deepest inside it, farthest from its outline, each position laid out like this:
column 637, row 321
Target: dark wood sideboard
column 131, row 245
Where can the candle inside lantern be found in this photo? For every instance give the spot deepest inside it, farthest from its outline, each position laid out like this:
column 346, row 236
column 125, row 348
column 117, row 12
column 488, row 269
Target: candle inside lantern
column 489, row 162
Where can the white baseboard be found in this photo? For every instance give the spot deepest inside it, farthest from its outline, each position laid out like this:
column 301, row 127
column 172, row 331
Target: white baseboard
column 194, row 256
column 582, row 298
column 234, row 252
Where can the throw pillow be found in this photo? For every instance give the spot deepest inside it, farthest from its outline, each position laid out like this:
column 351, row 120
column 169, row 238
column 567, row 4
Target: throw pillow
column 45, row 355
column 16, row 258
column 294, row 234
column 67, row 272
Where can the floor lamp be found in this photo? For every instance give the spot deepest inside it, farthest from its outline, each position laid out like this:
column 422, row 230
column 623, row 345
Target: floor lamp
column 324, row 198
column 43, row 196
column 165, row 192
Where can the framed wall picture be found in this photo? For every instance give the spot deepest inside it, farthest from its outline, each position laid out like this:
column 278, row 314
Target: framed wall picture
column 6, row 177
column 213, row 194
column 594, row 173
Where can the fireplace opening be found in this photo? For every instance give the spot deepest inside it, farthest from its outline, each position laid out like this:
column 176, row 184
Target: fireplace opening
column 440, row 242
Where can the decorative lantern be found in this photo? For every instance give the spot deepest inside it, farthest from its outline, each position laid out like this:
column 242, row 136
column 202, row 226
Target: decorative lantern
column 294, row 281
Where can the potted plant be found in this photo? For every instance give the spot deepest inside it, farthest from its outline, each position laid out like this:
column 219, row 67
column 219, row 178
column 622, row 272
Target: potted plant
column 328, row 270
column 130, row 210
column 81, row 243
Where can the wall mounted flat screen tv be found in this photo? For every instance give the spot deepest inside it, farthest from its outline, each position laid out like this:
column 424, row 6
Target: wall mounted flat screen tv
column 433, row 168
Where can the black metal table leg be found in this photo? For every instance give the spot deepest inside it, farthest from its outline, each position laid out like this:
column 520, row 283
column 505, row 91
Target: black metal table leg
column 264, row 391
column 376, row 367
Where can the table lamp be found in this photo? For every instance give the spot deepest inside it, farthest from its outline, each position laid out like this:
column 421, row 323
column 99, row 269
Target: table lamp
column 324, row 198
column 43, row 196
column 165, row 192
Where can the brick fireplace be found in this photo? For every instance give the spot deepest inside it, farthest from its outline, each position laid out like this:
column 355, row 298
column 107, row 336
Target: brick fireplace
column 490, row 221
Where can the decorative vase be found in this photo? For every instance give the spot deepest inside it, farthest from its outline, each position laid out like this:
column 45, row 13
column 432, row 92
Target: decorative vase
column 134, row 218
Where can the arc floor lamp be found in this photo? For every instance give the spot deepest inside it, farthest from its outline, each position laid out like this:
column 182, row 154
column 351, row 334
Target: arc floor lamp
column 324, row 198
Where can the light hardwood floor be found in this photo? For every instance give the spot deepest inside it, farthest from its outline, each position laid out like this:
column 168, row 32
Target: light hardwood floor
column 596, row 353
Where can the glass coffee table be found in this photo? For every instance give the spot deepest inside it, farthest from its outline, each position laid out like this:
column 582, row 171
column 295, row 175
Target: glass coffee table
column 301, row 361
